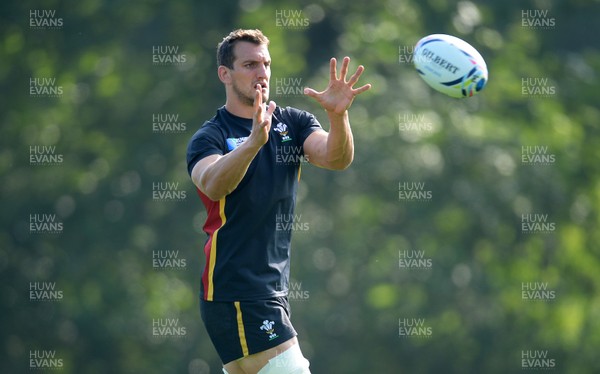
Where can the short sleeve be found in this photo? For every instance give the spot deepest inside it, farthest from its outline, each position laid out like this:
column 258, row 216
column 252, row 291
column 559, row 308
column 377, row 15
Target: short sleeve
column 309, row 125
column 205, row 142
column 304, row 123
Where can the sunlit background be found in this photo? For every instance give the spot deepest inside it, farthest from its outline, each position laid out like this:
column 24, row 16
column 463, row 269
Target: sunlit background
column 491, row 266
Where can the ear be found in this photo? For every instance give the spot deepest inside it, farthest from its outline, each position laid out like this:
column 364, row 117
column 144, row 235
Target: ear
column 224, row 74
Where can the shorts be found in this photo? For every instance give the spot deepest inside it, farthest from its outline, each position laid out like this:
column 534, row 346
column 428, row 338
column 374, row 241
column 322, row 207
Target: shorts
column 241, row 328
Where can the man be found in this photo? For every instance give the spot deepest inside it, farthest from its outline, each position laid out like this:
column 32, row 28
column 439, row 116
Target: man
column 235, row 162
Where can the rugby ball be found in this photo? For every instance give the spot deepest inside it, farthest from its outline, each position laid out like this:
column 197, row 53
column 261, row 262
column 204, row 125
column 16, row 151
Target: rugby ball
column 450, row 65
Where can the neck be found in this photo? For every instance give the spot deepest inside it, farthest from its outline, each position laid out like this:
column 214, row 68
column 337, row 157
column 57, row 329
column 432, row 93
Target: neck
column 238, row 109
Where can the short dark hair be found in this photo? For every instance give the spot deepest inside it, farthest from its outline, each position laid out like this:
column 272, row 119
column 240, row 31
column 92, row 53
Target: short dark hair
column 225, row 54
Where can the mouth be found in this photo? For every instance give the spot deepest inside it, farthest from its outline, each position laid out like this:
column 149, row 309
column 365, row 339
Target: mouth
column 264, row 86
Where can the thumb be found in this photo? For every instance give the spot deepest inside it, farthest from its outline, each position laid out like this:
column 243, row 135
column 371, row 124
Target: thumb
column 271, row 108
column 310, row 92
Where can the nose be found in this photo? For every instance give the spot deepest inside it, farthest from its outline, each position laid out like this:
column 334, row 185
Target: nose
column 264, row 71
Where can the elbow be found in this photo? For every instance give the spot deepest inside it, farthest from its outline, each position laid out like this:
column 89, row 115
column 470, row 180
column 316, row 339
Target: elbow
column 339, row 166
column 344, row 166
column 341, row 163
column 212, row 196
column 210, row 191
column 209, row 183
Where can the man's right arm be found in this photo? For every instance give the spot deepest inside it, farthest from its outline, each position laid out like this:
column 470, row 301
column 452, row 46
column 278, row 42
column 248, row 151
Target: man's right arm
column 218, row 175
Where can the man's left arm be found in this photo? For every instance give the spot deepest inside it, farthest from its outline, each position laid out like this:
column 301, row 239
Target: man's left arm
column 335, row 149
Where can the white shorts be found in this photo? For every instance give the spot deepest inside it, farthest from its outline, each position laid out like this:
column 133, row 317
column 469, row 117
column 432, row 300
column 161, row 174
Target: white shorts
column 291, row 361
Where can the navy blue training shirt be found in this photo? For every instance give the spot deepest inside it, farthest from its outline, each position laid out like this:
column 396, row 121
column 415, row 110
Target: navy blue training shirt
column 247, row 254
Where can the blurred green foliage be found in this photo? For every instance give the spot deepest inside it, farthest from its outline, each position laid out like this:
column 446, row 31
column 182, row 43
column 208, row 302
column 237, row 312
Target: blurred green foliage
column 469, row 158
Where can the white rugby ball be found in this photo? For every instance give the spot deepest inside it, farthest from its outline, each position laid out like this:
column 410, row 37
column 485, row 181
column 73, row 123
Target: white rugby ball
column 450, row 65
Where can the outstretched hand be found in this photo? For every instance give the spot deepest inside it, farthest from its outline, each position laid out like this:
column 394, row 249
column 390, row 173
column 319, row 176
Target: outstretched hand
column 339, row 94
column 261, row 119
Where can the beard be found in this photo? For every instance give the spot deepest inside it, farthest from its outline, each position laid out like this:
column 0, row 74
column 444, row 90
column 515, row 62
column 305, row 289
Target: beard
column 245, row 98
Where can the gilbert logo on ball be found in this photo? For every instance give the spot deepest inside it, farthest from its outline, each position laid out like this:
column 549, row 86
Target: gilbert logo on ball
column 450, row 65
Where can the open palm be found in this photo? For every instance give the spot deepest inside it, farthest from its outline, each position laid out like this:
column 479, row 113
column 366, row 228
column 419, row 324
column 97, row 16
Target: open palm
column 339, row 94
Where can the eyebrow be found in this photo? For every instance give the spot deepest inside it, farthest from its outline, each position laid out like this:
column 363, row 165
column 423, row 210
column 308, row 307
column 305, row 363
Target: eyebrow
column 250, row 60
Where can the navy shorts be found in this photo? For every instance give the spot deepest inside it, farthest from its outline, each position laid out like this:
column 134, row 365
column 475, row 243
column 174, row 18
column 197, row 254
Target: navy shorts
column 241, row 328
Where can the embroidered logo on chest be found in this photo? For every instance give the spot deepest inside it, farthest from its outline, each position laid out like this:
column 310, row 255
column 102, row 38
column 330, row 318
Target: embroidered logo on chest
column 282, row 130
